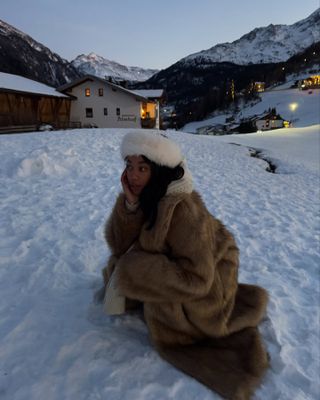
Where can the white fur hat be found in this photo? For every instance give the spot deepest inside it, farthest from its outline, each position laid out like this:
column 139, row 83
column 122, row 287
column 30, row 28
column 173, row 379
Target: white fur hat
column 153, row 145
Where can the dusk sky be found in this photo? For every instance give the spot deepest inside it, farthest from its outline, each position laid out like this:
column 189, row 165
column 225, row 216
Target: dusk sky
column 145, row 33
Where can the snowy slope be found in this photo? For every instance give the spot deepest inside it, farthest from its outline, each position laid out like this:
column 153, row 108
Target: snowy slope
column 94, row 64
column 57, row 190
column 306, row 113
column 274, row 43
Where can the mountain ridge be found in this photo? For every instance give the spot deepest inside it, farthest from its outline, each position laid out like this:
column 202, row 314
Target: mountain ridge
column 195, row 85
column 94, row 64
column 281, row 42
column 24, row 56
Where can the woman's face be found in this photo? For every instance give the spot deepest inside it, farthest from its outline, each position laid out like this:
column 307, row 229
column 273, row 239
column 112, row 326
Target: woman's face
column 138, row 173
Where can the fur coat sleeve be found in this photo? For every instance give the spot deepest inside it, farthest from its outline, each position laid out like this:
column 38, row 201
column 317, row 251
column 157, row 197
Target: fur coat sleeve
column 122, row 228
column 183, row 272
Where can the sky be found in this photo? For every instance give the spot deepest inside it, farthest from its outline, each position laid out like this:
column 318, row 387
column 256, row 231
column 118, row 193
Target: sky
column 148, row 34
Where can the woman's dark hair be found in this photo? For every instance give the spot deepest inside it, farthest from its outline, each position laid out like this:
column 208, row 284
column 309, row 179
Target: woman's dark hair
column 156, row 188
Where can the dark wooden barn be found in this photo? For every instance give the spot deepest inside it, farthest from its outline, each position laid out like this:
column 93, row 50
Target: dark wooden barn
column 26, row 105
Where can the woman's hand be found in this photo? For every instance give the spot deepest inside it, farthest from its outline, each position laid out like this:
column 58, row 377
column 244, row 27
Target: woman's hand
column 130, row 197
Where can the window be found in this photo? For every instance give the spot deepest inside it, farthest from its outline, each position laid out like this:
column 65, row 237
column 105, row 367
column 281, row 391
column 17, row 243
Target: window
column 100, row 91
column 105, row 111
column 87, row 92
column 89, row 112
column 118, row 111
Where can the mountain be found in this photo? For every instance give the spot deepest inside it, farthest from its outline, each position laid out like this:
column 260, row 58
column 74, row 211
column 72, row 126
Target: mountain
column 94, row 64
column 22, row 55
column 201, row 83
column 197, row 84
column 271, row 44
column 195, row 90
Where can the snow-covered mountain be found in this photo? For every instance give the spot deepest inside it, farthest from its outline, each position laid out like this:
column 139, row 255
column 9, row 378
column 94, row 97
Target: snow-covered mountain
column 271, row 44
column 22, row 55
column 94, row 64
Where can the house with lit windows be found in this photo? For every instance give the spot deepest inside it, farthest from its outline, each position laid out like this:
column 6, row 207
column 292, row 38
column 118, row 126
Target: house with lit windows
column 103, row 104
column 259, row 87
column 269, row 121
column 311, row 82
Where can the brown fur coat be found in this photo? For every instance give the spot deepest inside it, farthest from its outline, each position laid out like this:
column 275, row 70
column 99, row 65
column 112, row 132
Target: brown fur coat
column 185, row 272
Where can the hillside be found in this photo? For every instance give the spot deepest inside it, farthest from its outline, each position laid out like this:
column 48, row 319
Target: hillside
column 306, row 113
column 22, row 55
column 196, row 90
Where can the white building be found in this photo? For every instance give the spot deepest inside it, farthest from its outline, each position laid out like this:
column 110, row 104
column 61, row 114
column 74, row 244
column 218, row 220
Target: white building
column 270, row 121
column 100, row 103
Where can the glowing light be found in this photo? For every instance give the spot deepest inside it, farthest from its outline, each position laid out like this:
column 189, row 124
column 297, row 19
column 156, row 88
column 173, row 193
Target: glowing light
column 293, row 106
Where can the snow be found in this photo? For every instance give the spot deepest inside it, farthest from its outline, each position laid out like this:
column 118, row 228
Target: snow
column 150, row 93
column 306, row 113
column 289, row 149
column 58, row 188
column 21, row 84
column 93, row 64
column 308, row 105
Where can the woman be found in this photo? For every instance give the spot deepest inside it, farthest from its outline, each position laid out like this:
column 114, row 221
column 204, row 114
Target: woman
column 170, row 254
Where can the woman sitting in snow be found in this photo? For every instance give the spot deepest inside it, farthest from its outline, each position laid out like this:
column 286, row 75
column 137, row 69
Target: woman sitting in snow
column 171, row 255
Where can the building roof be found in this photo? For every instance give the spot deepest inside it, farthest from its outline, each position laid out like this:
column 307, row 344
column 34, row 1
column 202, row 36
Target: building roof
column 269, row 116
column 92, row 78
column 150, row 93
column 16, row 83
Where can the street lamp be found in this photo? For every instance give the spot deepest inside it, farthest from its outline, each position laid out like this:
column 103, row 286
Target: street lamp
column 293, row 107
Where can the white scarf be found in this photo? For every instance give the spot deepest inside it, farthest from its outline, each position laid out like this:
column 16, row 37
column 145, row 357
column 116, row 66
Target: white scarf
column 183, row 185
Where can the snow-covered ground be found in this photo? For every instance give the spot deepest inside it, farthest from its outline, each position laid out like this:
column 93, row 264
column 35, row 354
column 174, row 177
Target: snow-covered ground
column 58, row 188
column 306, row 110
